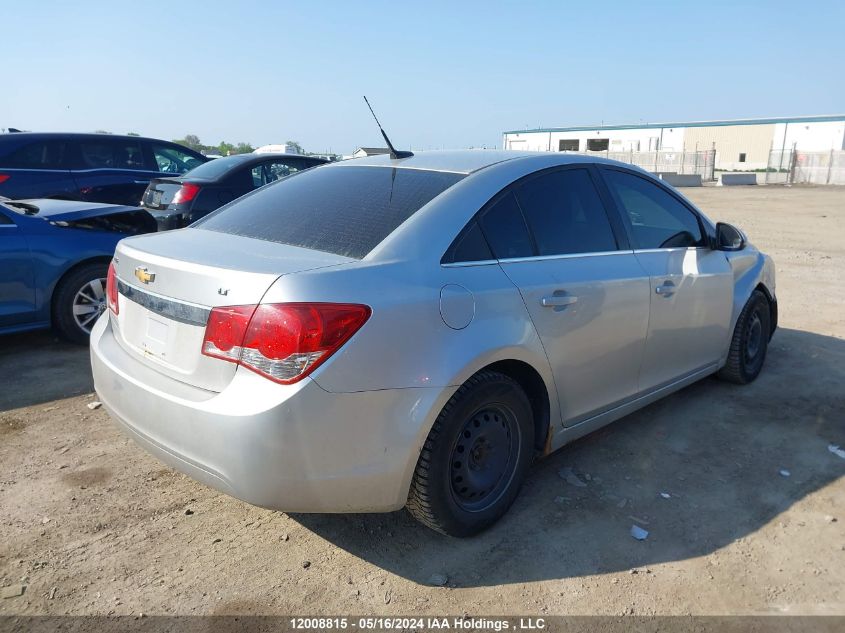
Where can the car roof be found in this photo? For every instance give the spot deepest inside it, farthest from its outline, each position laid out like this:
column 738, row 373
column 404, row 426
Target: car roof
column 258, row 158
column 467, row 161
column 35, row 136
column 236, row 162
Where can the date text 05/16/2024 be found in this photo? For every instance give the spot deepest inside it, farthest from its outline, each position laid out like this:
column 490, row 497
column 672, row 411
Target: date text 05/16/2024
column 417, row 623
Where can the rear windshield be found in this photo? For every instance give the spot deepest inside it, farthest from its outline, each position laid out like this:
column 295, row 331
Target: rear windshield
column 341, row 210
column 216, row 167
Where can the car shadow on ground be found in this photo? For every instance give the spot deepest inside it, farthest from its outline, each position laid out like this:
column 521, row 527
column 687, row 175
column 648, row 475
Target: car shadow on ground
column 38, row 367
column 716, row 449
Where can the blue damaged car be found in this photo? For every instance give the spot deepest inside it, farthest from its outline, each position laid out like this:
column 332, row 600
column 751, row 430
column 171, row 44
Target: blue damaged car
column 54, row 258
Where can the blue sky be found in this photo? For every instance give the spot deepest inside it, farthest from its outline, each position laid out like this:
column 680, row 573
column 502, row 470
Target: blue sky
column 439, row 74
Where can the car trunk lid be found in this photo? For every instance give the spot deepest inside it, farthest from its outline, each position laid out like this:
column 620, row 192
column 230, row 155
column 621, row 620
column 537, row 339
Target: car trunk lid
column 169, row 282
column 160, row 193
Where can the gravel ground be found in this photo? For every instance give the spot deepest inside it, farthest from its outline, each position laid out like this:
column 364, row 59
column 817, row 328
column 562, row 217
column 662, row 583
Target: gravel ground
column 93, row 525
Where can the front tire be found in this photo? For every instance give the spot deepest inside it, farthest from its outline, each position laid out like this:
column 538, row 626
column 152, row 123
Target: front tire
column 750, row 341
column 79, row 300
column 475, row 457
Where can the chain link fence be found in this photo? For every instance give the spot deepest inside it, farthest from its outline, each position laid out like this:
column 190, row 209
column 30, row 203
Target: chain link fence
column 795, row 167
column 787, row 166
column 700, row 163
column 779, row 167
column 819, row 168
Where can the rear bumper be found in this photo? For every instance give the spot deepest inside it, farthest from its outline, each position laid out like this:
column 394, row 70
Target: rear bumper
column 168, row 220
column 295, row 447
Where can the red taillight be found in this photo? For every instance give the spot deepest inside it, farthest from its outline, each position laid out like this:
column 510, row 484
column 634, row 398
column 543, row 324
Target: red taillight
column 111, row 289
column 281, row 341
column 186, row 193
column 4, row 177
column 225, row 330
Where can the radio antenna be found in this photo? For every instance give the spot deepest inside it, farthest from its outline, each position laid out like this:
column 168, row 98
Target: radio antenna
column 394, row 153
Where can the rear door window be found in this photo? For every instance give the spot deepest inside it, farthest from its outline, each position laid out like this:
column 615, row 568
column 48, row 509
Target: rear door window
column 469, row 246
column 657, row 219
column 505, row 230
column 343, row 210
column 109, row 153
column 565, row 213
column 39, row 155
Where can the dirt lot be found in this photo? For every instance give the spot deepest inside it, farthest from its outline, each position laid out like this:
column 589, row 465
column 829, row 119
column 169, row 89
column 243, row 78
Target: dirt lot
column 93, row 525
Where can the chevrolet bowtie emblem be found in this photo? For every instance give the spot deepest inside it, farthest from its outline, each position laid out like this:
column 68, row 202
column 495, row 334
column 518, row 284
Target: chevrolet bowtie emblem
column 144, row 275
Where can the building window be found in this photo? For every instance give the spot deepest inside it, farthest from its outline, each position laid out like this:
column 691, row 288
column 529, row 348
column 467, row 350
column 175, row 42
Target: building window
column 742, row 157
column 568, row 145
column 598, row 144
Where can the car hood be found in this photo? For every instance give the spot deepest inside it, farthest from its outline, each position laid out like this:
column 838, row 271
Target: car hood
column 66, row 210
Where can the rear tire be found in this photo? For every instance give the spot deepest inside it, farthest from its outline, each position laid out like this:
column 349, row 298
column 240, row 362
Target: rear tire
column 750, row 341
column 79, row 300
column 475, row 458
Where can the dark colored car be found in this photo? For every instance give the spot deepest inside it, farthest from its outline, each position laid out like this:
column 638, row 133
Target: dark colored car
column 92, row 167
column 178, row 201
column 54, row 260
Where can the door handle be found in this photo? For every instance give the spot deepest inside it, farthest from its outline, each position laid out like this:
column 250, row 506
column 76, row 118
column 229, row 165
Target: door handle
column 667, row 289
column 558, row 300
column 141, row 182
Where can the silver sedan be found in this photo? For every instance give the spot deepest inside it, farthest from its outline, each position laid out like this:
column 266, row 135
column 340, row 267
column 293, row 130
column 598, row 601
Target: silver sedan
column 381, row 333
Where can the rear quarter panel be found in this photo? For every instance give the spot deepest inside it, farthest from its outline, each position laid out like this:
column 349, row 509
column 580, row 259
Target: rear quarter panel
column 406, row 342
column 406, row 345
column 55, row 250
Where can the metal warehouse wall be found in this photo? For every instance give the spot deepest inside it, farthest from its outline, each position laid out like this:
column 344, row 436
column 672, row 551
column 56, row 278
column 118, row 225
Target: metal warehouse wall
column 754, row 141
column 810, row 137
column 638, row 140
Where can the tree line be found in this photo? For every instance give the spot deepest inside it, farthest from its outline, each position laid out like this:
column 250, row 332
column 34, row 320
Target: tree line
column 223, row 148
column 226, row 149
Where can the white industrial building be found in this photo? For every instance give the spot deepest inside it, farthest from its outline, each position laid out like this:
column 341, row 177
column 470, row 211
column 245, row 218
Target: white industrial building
column 743, row 144
column 361, row 152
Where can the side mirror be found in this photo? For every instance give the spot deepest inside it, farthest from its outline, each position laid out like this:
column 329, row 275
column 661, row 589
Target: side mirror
column 729, row 238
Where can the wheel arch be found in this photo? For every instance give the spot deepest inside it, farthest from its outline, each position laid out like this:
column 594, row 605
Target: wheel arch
column 752, row 271
column 538, row 395
column 773, row 307
column 97, row 259
column 529, row 367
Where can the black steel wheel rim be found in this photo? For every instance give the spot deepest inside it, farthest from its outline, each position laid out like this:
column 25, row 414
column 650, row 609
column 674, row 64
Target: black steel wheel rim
column 754, row 339
column 484, row 457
